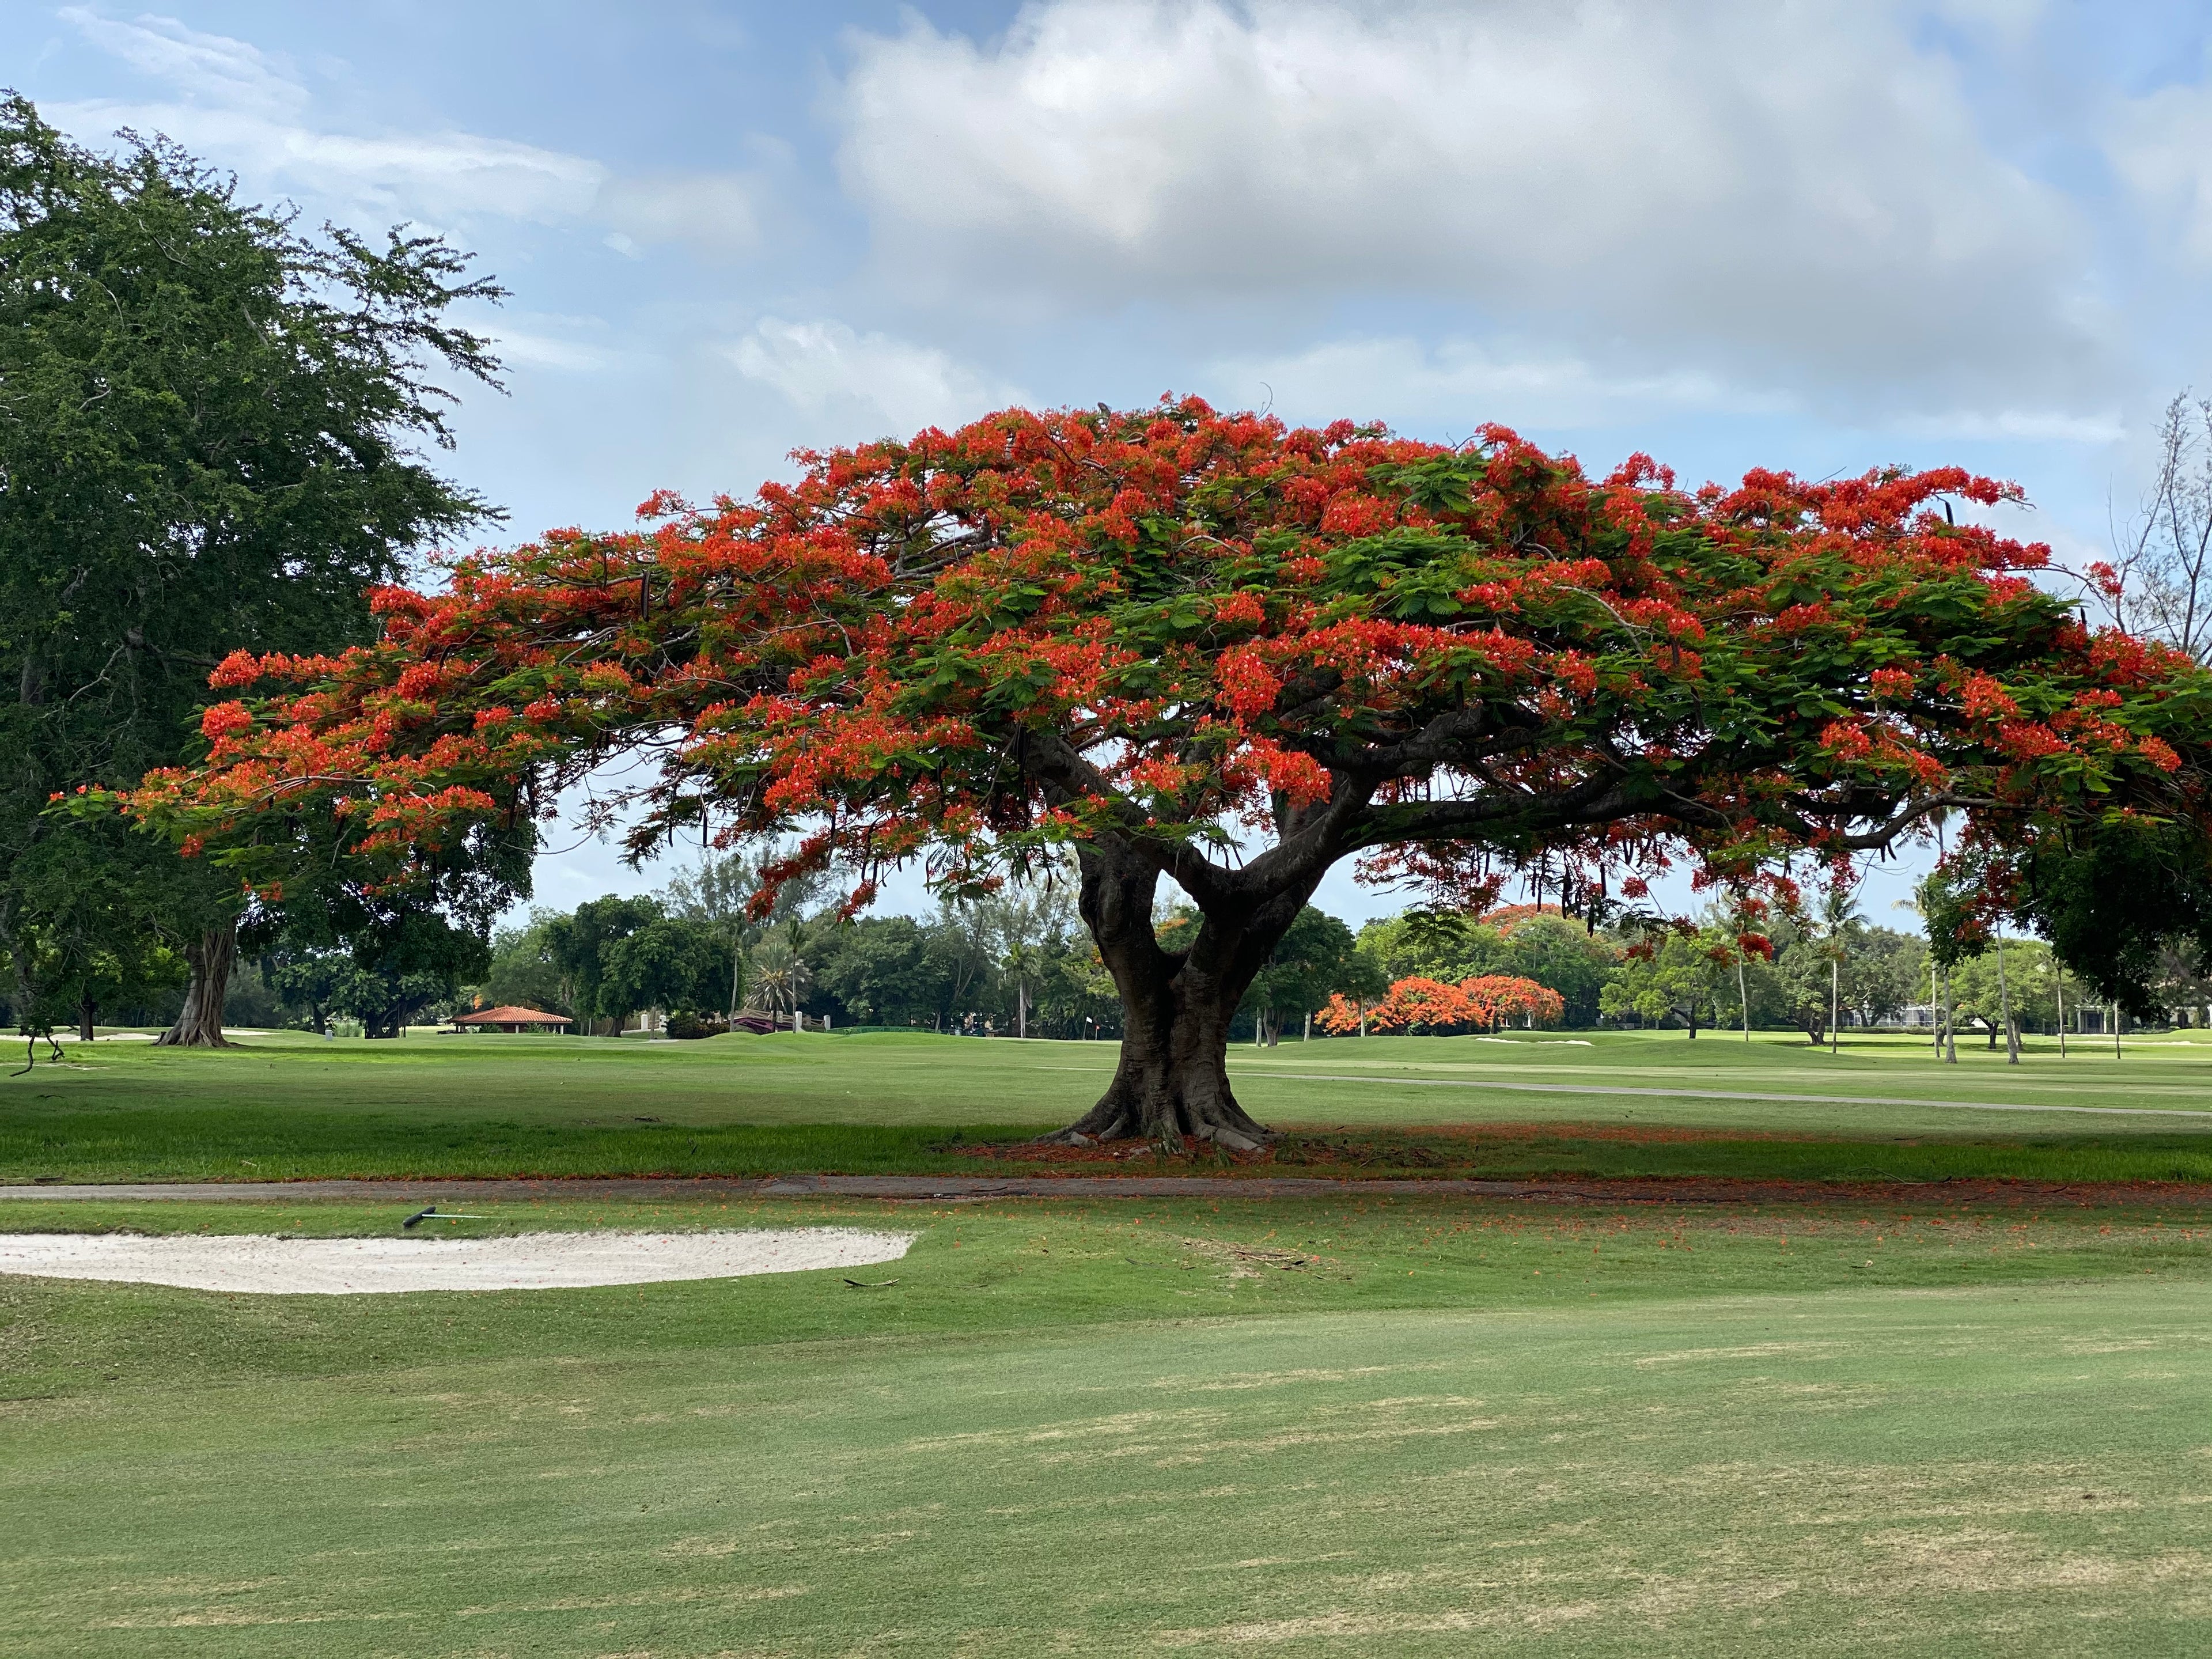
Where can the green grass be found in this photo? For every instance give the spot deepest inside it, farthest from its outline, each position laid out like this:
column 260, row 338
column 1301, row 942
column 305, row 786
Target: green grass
column 289, row 1106
column 1365, row 1425
column 1380, row 1427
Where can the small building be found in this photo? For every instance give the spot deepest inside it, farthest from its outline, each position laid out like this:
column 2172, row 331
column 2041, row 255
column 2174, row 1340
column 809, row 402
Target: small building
column 511, row 1019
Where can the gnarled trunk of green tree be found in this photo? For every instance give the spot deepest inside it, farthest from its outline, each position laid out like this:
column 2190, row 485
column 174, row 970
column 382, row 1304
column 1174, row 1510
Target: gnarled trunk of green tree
column 199, row 1023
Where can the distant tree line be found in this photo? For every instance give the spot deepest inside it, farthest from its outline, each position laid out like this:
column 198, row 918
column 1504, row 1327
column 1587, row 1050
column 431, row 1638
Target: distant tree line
column 1019, row 963
column 1009, row 963
column 1014, row 963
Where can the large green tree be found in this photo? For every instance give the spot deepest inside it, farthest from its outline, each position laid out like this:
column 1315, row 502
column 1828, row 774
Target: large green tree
column 1317, row 958
column 524, row 972
column 582, row 946
column 881, row 969
column 714, row 894
column 670, row 963
column 210, row 426
column 1674, row 976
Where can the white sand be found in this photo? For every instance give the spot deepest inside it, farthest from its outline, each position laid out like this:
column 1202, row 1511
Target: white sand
column 524, row 1262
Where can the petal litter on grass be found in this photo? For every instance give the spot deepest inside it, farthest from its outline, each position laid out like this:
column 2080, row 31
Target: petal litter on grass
column 260, row 1264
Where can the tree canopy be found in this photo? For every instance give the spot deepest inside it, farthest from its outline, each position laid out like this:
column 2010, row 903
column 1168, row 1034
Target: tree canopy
column 1213, row 648
column 206, row 446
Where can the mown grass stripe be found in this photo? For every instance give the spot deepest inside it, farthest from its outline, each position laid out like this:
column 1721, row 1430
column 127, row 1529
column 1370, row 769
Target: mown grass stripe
column 1720, row 1094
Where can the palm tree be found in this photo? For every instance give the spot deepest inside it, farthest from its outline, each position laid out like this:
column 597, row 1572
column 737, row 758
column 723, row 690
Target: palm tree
column 779, row 978
column 1931, row 899
column 1839, row 911
column 716, row 894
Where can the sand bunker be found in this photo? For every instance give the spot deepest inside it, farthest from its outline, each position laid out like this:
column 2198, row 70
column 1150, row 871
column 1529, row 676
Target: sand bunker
column 354, row 1267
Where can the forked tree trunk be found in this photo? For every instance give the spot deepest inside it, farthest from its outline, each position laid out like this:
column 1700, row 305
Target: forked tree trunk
column 1173, row 1078
column 199, row 1025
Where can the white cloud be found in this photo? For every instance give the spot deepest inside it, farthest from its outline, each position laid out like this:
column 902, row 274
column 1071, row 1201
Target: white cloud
column 548, row 342
column 2024, row 425
column 1467, row 382
column 2162, row 147
column 229, row 100
column 441, row 177
column 211, row 66
column 717, row 213
column 234, row 103
column 1777, row 194
column 226, row 99
column 827, row 368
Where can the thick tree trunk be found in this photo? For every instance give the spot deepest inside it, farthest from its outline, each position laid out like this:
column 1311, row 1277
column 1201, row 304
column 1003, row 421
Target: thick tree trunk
column 85, row 1010
column 199, row 1025
column 1173, row 1081
column 1173, row 1078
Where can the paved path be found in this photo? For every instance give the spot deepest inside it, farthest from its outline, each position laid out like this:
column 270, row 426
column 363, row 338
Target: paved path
column 1721, row 1094
column 976, row 1188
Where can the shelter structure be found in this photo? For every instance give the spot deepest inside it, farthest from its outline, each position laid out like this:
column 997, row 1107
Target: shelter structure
column 508, row 1019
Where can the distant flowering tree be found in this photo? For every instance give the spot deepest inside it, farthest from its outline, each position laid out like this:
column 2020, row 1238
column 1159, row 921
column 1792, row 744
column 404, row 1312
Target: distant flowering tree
column 1484, row 1003
column 1208, row 648
column 1495, row 1000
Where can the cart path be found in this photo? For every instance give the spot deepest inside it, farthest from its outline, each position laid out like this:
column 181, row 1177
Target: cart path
column 1719, row 1094
column 970, row 1190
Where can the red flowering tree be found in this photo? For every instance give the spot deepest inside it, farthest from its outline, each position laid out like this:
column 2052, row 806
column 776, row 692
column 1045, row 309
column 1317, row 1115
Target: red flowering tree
column 1495, row 1000
column 1418, row 1002
column 1206, row 649
column 1486, row 1002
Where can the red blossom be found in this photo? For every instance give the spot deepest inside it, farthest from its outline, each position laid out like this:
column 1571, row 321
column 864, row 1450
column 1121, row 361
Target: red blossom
column 1846, row 739
column 2160, row 753
column 239, row 668
column 225, row 720
column 1891, row 684
column 1241, row 608
column 1986, row 700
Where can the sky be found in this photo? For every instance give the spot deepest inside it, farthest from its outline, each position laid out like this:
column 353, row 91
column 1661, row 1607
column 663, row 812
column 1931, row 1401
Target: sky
column 1822, row 238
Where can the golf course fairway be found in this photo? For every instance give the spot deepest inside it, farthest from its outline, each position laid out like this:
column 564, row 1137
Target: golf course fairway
column 1250, row 1427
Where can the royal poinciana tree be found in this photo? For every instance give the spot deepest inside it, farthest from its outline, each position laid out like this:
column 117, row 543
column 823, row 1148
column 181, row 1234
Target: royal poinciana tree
column 1205, row 649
